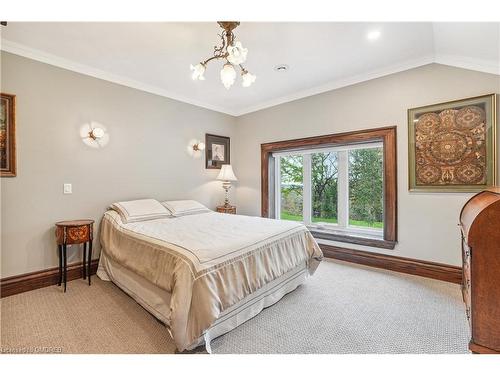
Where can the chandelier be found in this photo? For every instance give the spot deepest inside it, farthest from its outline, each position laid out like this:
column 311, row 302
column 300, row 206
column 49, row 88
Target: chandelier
column 235, row 55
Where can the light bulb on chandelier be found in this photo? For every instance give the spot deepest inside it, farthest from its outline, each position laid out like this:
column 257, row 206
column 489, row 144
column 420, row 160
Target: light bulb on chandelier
column 248, row 78
column 228, row 75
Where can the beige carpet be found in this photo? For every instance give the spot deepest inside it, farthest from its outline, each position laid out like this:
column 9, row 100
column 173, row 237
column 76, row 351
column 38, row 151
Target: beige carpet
column 342, row 309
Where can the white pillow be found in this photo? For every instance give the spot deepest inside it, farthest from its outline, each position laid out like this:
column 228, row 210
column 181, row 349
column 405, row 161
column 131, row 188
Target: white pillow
column 185, row 207
column 139, row 210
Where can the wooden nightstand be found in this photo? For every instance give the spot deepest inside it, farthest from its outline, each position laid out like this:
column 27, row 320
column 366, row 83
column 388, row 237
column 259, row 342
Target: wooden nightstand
column 71, row 233
column 227, row 209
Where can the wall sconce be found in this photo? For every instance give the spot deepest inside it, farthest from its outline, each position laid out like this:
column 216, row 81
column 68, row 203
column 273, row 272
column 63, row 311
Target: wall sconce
column 199, row 146
column 96, row 133
column 195, row 148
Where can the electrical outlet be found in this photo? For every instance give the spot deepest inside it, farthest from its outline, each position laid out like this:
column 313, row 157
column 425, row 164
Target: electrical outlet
column 67, row 189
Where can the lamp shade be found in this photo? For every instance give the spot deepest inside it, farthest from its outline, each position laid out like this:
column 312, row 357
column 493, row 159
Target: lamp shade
column 226, row 173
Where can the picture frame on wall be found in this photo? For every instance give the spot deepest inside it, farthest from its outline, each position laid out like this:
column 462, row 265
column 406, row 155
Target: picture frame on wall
column 7, row 135
column 217, row 151
column 452, row 145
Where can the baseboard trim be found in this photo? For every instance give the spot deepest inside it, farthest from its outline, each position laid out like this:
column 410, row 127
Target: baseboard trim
column 438, row 271
column 444, row 272
column 41, row 279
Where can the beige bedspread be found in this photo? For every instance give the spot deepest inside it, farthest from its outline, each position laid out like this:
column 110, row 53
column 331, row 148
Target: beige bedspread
column 208, row 262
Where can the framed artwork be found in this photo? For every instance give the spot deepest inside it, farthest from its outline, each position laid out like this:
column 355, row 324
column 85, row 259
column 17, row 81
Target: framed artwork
column 7, row 135
column 217, row 151
column 452, row 146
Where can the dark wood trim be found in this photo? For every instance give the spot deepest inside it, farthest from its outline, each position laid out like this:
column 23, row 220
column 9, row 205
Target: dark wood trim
column 438, row 271
column 387, row 135
column 41, row 279
column 372, row 242
column 479, row 349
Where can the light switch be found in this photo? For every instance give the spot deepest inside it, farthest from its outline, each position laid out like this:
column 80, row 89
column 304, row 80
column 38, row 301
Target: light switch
column 67, row 189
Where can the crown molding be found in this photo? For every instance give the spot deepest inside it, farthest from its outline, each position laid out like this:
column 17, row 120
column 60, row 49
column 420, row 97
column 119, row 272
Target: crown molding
column 480, row 65
column 337, row 84
column 47, row 58
column 451, row 60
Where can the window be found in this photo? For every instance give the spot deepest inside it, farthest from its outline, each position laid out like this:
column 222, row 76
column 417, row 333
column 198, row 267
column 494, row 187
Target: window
column 290, row 194
column 342, row 190
column 343, row 187
column 324, row 187
column 366, row 187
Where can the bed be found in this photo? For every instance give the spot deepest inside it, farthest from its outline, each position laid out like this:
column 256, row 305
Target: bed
column 205, row 273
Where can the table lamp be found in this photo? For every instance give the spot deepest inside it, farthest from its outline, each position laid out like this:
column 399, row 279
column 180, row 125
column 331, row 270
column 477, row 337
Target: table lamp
column 226, row 175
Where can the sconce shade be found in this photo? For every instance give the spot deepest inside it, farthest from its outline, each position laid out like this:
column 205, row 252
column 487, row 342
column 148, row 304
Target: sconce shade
column 199, row 146
column 226, row 173
column 96, row 133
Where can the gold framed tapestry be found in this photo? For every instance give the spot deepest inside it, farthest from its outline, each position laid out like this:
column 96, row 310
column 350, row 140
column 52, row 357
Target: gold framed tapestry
column 452, row 145
column 7, row 135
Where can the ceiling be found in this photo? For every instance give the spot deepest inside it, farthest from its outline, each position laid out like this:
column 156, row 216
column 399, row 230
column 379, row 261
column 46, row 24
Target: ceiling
column 155, row 57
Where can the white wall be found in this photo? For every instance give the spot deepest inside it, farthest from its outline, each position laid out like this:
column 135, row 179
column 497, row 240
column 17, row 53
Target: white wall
column 427, row 223
column 146, row 156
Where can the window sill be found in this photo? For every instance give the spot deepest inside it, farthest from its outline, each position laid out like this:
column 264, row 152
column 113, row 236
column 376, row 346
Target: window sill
column 355, row 239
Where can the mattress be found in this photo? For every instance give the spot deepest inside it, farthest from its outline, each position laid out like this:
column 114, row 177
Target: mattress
column 207, row 263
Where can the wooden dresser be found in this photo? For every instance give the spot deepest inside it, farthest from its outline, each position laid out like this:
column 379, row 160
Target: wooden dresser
column 480, row 224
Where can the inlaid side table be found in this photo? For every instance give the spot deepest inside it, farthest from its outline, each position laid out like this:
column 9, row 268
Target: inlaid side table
column 74, row 232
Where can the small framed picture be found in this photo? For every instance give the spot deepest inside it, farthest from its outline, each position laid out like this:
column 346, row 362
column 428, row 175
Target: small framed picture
column 217, row 151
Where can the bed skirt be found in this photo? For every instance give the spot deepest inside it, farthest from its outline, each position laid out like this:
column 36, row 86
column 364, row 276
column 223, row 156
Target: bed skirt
column 157, row 301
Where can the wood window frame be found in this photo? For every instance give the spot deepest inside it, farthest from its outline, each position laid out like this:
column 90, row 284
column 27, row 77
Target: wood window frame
column 386, row 135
